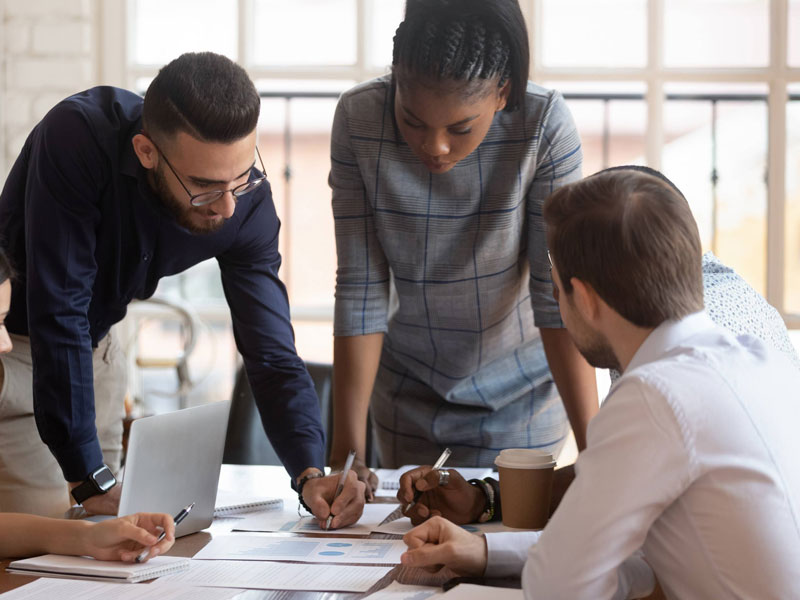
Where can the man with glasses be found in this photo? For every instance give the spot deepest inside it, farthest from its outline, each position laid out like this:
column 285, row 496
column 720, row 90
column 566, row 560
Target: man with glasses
column 109, row 194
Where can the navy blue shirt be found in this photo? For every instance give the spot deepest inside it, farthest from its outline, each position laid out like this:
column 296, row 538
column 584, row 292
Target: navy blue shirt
column 87, row 235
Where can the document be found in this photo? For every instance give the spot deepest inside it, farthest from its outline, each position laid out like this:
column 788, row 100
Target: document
column 287, row 520
column 303, row 549
column 278, row 576
column 400, row 591
column 403, row 525
column 47, row 589
column 469, row 591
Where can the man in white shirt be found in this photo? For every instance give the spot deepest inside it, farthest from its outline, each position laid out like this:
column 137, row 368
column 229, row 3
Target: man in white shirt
column 691, row 463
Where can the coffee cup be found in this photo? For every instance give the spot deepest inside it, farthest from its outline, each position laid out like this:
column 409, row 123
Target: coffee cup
column 526, row 482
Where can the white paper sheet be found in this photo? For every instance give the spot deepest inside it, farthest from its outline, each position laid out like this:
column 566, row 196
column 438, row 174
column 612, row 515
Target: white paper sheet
column 278, row 576
column 287, row 520
column 303, row 549
column 403, row 525
column 389, row 479
column 400, row 591
column 47, row 589
column 468, row 591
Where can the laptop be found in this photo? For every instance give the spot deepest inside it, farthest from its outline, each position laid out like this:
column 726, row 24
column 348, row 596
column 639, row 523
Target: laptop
column 173, row 460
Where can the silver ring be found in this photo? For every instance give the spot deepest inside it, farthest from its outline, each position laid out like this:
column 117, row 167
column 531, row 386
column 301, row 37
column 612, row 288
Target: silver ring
column 444, row 477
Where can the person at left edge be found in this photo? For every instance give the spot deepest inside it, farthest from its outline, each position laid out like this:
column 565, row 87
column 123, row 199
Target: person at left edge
column 109, row 194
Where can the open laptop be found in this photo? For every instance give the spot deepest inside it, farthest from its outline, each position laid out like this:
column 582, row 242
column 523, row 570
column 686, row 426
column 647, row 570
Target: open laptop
column 173, row 460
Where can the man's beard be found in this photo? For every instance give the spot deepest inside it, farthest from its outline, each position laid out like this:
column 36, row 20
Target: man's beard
column 595, row 348
column 181, row 210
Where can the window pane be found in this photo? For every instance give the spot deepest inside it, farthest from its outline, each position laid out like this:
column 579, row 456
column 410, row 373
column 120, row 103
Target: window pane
column 304, row 32
column 792, row 270
column 611, row 120
column 383, row 17
column 164, row 30
column 794, row 33
column 694, row 151
column 594, row 33
column 716, row 33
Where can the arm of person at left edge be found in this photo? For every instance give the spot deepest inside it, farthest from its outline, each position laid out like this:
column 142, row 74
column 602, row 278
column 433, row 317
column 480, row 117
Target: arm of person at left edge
column 558, row 163
column 283, row 390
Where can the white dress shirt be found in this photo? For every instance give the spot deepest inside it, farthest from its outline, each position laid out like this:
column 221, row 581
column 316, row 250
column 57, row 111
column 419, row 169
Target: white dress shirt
column 694, row 458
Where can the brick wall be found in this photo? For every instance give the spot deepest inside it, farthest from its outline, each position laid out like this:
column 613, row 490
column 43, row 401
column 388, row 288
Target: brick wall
column 48, row 52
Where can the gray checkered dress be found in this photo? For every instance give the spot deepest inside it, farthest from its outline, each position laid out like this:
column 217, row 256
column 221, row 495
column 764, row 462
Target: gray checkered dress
column 462, row 364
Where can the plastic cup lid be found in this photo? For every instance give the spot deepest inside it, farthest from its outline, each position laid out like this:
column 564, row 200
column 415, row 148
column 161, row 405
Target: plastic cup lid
column 524, row 458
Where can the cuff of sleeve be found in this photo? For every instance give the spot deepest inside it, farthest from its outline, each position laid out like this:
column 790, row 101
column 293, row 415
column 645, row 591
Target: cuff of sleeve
column 308, row 458
column 78, row 461
column 507, row 552
column 636, row 577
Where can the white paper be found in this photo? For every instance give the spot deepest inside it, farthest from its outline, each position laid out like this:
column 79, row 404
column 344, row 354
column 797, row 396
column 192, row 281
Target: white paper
column 288, row 521
column 403, row 525
column 47, row 589
column 389, row 479
column 303, row 549
column 278, row 576
column 400, row 591
column 468, row 591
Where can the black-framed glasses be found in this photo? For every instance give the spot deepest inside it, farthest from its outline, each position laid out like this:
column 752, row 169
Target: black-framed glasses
column 206, row 198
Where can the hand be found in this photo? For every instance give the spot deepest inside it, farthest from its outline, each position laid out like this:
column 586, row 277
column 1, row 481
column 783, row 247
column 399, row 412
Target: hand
column 103, row 504
column 458, row 501
column 319, row 493
column 364, row 474
column 439, row 543
column 124, row 538
column 562, row 478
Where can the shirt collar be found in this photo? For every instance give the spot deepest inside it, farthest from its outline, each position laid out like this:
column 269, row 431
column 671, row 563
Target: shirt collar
column 669, row 335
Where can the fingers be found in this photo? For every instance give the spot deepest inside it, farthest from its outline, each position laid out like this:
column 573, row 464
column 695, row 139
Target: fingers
column 408, row 483
column 349, row 505
column 369, row 479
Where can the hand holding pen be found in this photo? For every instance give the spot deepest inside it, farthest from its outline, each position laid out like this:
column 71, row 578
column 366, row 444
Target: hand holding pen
column 342, row 479
column 178, row 518
column 408, row 483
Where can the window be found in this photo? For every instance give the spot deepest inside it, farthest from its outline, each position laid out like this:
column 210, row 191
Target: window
column 706, row 90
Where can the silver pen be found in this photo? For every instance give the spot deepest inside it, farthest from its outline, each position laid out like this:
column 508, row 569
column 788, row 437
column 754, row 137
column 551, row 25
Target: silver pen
column 342, row 478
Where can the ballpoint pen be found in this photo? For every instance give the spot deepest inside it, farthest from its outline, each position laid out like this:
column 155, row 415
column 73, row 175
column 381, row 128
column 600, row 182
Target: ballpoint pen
column 400, row 511
column 342, row 478
column 177, row 519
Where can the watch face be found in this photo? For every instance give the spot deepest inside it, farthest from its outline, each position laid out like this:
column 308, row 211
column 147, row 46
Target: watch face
column 104, row 478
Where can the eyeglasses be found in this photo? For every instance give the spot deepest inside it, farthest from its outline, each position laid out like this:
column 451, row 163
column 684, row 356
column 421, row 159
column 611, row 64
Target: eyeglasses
column 206, row 198
column 555, row 287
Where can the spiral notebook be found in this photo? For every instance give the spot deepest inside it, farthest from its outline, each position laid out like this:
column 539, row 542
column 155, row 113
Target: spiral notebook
column 82, row 567
column 229, row 504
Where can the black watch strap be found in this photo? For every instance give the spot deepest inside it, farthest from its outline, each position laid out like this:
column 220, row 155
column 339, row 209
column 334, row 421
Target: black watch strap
column 98, row 482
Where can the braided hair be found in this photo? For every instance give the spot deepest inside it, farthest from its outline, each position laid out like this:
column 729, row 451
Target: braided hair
column 468, row 42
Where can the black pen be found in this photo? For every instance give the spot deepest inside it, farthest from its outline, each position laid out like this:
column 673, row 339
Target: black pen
column 177, row 519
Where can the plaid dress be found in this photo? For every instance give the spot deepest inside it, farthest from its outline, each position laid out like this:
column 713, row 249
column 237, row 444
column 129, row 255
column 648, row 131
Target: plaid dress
column 464, row 257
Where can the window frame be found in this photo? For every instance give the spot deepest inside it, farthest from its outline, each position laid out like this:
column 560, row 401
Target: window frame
column 116, row 17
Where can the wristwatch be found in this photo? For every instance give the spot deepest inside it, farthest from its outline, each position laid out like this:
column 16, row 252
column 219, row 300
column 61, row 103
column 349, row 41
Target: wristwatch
column 98, row 482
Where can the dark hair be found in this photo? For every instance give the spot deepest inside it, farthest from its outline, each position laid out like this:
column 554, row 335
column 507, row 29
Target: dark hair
column 203, row 94
column 467, row 41
column 632, row 237
column 6, row 270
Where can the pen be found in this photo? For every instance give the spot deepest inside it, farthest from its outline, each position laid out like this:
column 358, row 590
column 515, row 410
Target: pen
column 436, row 466
column 177, row 519
column 342, row 478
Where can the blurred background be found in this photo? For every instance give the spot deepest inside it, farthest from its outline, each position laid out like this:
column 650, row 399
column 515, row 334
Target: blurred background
column 708, row 91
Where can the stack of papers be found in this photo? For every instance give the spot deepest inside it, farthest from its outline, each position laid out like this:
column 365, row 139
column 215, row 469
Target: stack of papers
column 47, row 589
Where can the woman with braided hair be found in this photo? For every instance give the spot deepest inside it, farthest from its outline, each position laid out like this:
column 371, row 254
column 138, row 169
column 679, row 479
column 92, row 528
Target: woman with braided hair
column 439, row 172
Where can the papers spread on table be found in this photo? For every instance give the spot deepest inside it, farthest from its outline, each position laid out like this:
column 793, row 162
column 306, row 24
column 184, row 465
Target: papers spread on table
column 403, row 525
column 389, row 479
column 303, row 549
column 400, row 591
column 54, row 565
column 287, row 520
column 278, row 576
column 469, row 591
column 47, row 589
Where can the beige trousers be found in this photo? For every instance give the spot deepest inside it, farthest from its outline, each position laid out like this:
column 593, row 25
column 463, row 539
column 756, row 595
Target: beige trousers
column 30, row 479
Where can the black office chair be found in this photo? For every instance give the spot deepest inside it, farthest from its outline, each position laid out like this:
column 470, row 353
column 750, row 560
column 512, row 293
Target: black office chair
column 247, row 444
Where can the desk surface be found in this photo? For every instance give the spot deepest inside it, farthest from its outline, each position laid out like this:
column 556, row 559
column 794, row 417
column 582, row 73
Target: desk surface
column 263, row 481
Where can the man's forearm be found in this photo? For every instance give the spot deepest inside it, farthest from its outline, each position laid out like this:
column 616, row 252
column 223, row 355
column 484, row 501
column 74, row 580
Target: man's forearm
column 575, row 380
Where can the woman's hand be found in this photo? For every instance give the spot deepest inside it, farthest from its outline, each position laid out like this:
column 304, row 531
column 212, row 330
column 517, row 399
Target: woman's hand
column 124, row 538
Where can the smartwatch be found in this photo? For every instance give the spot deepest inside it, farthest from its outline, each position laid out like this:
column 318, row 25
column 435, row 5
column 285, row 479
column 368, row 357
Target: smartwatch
column 98, row 482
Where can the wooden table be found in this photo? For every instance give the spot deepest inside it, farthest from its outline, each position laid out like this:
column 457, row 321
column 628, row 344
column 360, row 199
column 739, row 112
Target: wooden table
column 263, row 481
